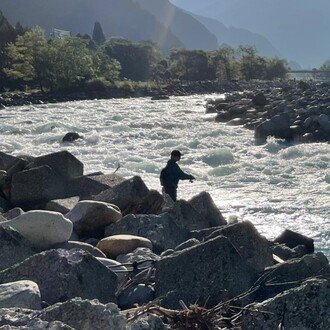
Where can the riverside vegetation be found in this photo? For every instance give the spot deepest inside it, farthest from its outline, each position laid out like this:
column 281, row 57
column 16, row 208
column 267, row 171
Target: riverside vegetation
column 100, row 252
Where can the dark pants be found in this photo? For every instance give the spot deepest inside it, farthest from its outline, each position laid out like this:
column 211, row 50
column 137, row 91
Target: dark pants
column 171, row 191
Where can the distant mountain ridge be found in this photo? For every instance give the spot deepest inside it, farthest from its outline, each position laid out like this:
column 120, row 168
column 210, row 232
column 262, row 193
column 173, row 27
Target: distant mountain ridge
column 299, row 29
column 186, row 27
column 123, row 18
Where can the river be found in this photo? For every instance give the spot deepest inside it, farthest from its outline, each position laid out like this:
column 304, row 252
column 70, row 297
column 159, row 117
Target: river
column 276, row 185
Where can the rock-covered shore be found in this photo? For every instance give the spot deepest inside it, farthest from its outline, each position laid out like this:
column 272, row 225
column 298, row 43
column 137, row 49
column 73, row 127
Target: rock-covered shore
column 103, row 252
column 296, row 111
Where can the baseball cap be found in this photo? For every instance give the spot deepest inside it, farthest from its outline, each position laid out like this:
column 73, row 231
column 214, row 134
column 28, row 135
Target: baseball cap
column 176, row 153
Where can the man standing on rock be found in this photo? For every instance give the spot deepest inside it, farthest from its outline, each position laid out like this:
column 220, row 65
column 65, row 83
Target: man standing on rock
column 171, row 174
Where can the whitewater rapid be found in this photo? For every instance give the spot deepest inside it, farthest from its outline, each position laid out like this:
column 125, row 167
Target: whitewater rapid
column 276, row 185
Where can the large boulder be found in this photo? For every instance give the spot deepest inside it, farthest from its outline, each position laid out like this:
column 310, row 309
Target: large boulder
column 116, row 245
column 62, row 275
column 94, row 184
column 304, row 307
column 293, row 239
column 278, row 126
column 162, row 230
column 254, row 248
column 42, row 228
column 207, row 273
column 13, row 213
column 91, row 217
column 63, row 206
column 126, row 195
column 36, row 186
column 14, row 248
column 139, row 294
column 62, row 163
column 85, row 314
column 70, row 245
column 22, row 294
column 71, row 136
column 139, row 255
column 205, row 206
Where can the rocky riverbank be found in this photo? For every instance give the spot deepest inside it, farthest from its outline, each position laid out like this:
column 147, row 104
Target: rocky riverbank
column 101, row 252
column 294, row 112
column 178, row 89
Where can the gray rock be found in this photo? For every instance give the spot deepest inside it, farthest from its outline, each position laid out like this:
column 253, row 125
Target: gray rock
column 254, row 248
column 166, row 253
column 206, row 274
column 259, row 100
column 36, row 186
column 71, row 136
column 85, row 314
column 70, row 245
column 62, row 163
column 14, row 248
column 138, row 255
column 203, row 234
column 139, row 294
column 285, row 253
column 304, row 307
column 62, row 275
column 205, row 206
column 21, row 294
column 126, row 195
column 147, row 322
column 38, row 324
column 293, row 239
column 13, row 213
column 63, row 206
column 5, row 205
column 162, row 230
column 187, row 244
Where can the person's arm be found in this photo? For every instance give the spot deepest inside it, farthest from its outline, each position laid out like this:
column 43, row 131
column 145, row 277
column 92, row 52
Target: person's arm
column 182, row 175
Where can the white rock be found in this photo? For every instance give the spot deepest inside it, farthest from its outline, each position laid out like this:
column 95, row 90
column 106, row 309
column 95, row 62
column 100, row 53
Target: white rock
column 42, row 228
column 21, row 294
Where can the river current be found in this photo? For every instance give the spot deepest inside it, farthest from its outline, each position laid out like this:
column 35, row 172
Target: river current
column 275, row 186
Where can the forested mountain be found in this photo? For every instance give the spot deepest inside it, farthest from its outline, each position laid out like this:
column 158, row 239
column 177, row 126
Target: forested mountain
column 299, row 29
column 187, row 28
column 123, row 18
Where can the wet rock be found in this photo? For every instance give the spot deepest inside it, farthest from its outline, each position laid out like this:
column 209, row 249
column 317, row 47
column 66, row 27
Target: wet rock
column 70, row 245
column 62, row 162
column 91, row 217
column 304, row 307
column 116, row 245
column 212, row 271
column 254, row 248
column 63, row 206
column 71, row 137
column 126, row 195
column 259, row 100
column 139, row 294
column 14, row 248
column 205, row 206
column 85, row 314
column 22, row 294
column 293, row 239
column 42, row 228
column 62, row 275
column 162, row 230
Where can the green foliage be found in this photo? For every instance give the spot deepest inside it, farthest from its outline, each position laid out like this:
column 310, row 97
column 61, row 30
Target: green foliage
column 252, row 65
column 136, row 59
column 106, row 67
column 97, row 84
column 98, row 35
column 325, row 66
column 276, row 68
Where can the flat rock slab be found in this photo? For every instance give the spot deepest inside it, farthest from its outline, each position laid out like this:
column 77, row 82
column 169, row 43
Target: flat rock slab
column 62, row 275
column 21, row 294
column 206, row 273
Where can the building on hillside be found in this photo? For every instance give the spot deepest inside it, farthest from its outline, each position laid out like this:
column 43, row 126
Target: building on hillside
column 60, row 34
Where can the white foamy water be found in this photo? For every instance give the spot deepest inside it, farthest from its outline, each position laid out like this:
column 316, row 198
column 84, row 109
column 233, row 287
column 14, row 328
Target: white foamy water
column 276, row 186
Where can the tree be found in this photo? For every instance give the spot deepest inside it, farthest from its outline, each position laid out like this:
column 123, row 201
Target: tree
column 276, row 68
column 29, row 57
column 325, row 66
column 252, row 65
column 106, row 67
column 98, row 35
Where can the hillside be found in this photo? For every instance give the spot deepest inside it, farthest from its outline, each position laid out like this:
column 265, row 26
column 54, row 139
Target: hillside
column 118, row 18
column 187, row 28
column 299, row 29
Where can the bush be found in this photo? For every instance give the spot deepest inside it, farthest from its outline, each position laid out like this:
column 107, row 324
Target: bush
column 99, row 84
